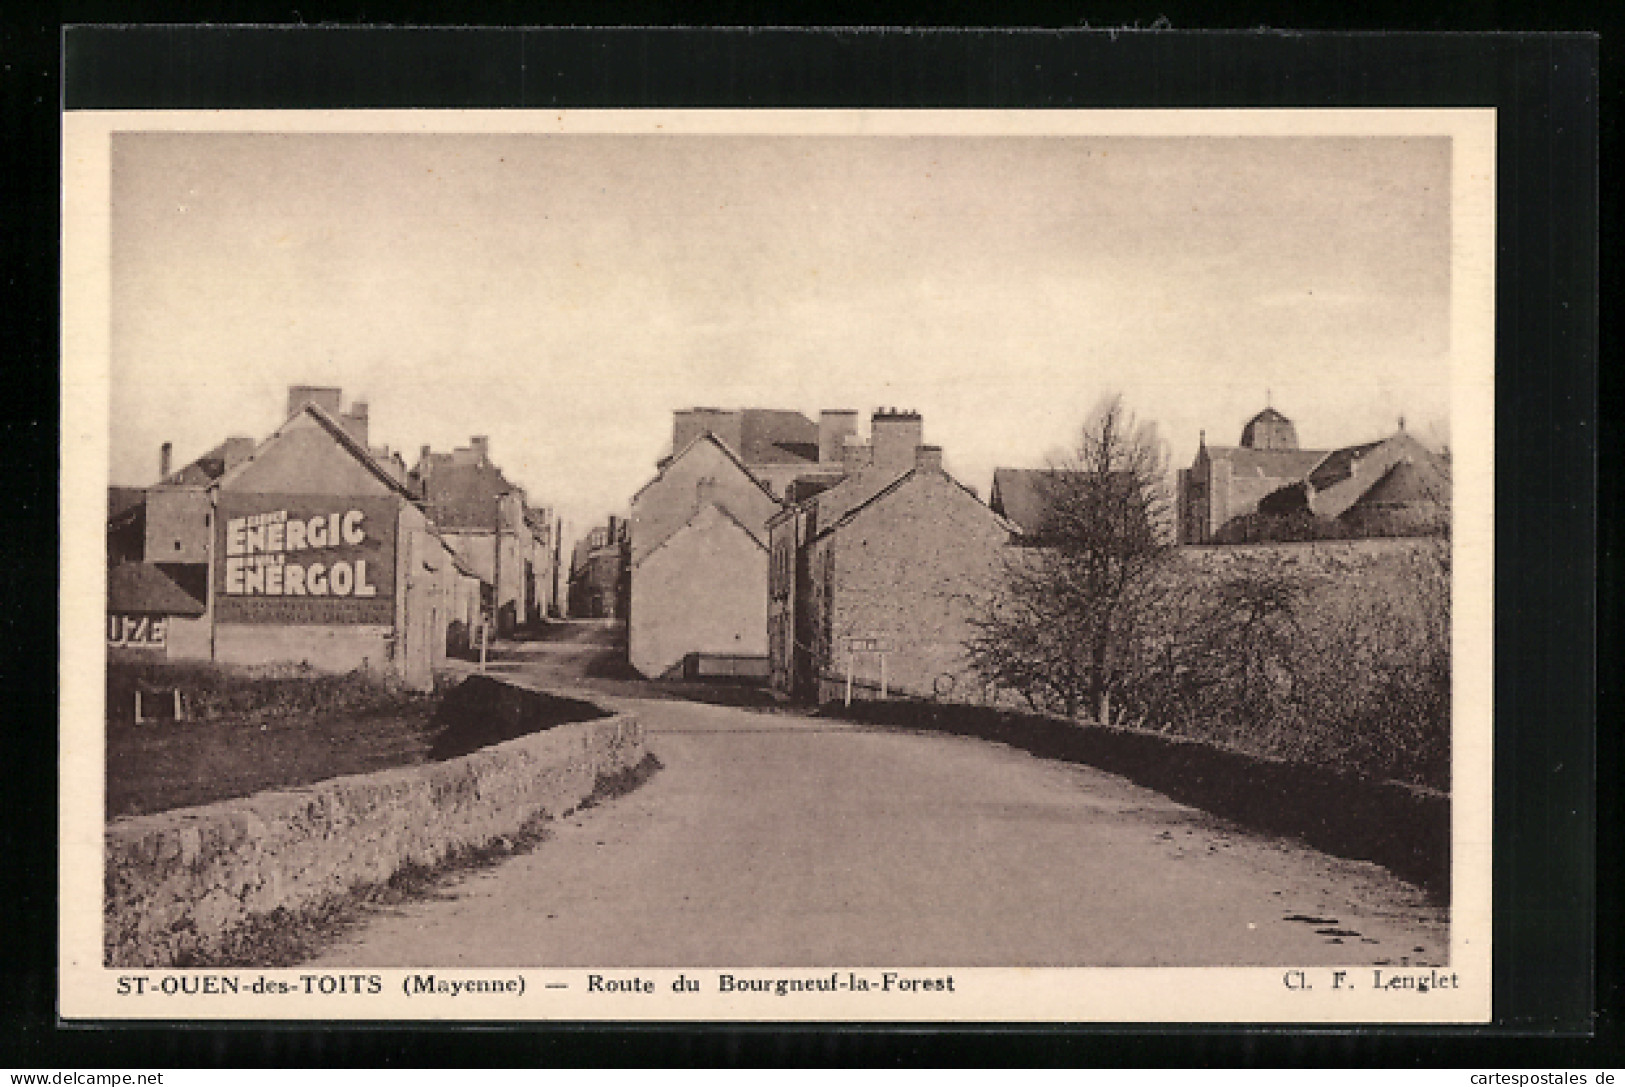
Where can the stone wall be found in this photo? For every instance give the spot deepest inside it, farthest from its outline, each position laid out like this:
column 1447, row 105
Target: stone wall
column 1338, row 558
column 178, row 883
column 911, row 571
column 1404, row 828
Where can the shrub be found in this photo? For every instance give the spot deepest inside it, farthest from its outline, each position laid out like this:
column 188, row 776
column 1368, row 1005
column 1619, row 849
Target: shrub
column 1343, row 668
column 213, row 691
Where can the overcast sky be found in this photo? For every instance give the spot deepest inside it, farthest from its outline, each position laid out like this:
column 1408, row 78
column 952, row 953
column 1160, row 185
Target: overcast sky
column 564, row 293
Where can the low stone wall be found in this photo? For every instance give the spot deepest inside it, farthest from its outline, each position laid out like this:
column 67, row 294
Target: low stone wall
column 1404, row 828
column 177, row 883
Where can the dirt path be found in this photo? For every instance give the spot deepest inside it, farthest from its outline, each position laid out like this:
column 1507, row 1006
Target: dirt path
column 777, row 839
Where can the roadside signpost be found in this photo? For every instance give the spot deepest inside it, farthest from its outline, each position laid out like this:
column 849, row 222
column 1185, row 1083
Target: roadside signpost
column 854, row 646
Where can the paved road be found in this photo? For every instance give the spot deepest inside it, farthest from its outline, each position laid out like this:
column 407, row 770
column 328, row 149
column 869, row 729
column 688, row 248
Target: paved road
column 774, row 839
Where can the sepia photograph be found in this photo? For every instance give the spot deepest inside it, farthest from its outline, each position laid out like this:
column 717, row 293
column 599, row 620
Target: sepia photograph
column 827, row 565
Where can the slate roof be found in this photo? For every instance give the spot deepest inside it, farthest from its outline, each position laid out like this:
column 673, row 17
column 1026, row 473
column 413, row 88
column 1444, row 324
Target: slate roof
column 122, row 500
column 1402, row 485
column 1268, row 415
column 856, row 490
column 1022, row 495
column 851, row 510
column 140, row 588
column 1018, row 495
column 1270, row 463
column 773, row 436
column 464, row 495
column 808, row 486
column 1338, row 465
column 211, row 465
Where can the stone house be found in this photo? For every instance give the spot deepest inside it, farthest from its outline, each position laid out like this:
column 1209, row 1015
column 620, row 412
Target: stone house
column 143, row 606
column 874, row 580
column 487, row 520
column 322, row 557
column 778, row 447
column 697, row 552
column 302, row 549
column 698, row 560
column 600, row 572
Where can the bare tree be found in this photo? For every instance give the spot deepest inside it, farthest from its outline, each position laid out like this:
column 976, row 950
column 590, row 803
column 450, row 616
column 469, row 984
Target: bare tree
column 1056, row 628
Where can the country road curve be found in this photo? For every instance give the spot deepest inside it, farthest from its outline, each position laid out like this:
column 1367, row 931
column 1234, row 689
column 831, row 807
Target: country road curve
column 780, row 839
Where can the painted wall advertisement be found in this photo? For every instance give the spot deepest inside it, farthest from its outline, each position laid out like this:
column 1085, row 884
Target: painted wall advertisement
column 149, row 632
column 316, row 559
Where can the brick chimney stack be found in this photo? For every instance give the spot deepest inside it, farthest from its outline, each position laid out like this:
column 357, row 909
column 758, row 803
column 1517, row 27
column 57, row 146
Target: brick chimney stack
column 355, row 421
column 894, row 435
column 726, row 424
column 834, row 427
column 325, row 397
column 165, row 452
column 928, row 458
column 481, row 445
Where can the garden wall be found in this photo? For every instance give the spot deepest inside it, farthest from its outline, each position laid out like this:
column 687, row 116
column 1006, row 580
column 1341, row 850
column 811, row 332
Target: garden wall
column 178, row 883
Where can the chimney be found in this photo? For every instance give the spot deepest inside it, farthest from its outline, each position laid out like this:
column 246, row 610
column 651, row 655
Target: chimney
column 355, row 422
column 834, row 427
column 239, row 447
column 854, row 453
column 928, row 458
column 481, row 445
column 690, row 424
column 325, row 397
column 894, row 435
column 165, row 452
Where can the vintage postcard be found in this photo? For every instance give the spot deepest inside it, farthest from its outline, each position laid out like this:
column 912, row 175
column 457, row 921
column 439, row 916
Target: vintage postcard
column 928, row 566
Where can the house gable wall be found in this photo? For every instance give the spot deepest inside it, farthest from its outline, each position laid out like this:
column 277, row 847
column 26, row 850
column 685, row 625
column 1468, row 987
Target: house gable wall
column 179, row 525
column 703, row 591
column 666, row 505
column 305, row 459
column 911, row 570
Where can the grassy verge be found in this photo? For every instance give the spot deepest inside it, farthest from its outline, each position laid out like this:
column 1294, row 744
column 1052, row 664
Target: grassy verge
column 215, row 692
column 248, row 732
column 285, row 938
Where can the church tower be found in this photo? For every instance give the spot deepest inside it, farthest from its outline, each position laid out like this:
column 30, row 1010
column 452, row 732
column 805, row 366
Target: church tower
column 1269, row 429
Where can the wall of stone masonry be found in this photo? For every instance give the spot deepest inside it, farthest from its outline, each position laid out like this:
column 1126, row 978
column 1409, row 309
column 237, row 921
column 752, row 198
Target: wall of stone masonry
column 178, row 883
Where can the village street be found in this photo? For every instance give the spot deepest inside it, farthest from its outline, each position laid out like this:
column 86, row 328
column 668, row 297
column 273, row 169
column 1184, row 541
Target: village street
column 775, row 838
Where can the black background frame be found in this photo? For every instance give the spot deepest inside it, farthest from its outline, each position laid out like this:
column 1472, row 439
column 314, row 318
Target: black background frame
column 1551, row 1007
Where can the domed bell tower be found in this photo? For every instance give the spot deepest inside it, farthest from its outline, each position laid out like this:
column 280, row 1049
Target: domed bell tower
column 1269, row 429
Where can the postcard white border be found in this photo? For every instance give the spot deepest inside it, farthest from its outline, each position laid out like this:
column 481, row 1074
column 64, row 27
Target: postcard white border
column 1209, row 995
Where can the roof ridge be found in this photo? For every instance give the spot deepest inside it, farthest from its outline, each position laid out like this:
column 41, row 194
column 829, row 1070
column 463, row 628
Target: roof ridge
column 720, row 444
column 355, row 448
column 687, row 524
column 892, row 488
